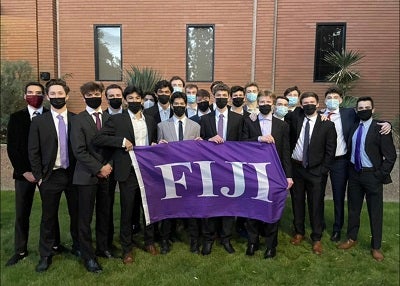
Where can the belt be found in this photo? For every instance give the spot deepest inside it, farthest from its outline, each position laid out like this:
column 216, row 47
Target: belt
column 297, row 162
column 364, row 169
column 340, row 157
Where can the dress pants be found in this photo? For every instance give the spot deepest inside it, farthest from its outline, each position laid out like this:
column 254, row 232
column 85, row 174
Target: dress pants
column 89, row 196
column 50, row 193
column 128, row 190
column 112, row 184
column 271, row 232
column 360, row 185
column 308, row 184
column 339, row 175
column 194, row 228
column 210, row 228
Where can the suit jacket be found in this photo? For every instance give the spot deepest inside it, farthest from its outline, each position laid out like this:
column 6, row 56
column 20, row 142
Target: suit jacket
column 115, row 129
column 234, row 126
column 166, row 130
column 17, row 142
column 280, row 132
column 322, row 142
column 89, row 158
column 43, row 146
column 155, row 113
column 380, row 150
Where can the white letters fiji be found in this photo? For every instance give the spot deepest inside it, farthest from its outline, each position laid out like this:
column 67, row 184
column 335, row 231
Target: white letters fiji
column 207, row 182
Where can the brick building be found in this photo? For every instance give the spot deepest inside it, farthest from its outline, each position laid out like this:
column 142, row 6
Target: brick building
column 277, row 43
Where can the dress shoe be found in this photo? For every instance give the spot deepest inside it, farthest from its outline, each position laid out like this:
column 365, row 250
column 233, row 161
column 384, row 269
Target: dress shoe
column 347, row 244
column 270, row 253
column 297, row 239
column 377, row 254
column 44, row 263
column 76, row 252
column 194, row 246
column 56, row 250
column 151, row 248
column 228, row 247
column 93, row 266
column 207, row 246
column 128, row 258
column 165, row 247
column 17, row 257
column 317, row 247
column 104, row 254
column 251, row 248
column 335, row 236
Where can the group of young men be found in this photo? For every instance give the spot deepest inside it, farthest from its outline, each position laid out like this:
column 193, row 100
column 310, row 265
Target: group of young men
column 84, row 155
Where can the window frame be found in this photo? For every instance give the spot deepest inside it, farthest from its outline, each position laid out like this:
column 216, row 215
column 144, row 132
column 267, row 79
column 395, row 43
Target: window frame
column 343, row 25
column 96, row 50
column 188, row 26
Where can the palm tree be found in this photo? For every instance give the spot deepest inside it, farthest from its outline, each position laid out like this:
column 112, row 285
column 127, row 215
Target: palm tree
column 344, row 74
column 144, row 78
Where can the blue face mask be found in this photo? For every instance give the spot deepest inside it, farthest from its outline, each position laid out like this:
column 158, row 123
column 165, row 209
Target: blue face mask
column 332, row 104
column 251, row 96
column 178, row 88
column 191, row 98
column 293, row 101
column 281, row 111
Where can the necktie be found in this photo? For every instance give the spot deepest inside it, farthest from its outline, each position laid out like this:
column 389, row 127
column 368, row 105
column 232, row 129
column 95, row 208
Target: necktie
column 98, row 122
column 357, row 151
column 220, row 130
column 306, row 143
column 62, row 137
column 35, row 113
column 330, row 114
column 180, row 130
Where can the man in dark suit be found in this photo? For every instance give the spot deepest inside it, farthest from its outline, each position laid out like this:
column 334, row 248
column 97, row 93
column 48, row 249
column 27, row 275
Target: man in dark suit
column 162, row 110
column 219, row 126
column 122, row 132
column 344, row 119
column 267, row 129
column 25, row 182
column 203, row 105
column 313, row 145
column 93, row 166
column 372, row 159
column 52, row 165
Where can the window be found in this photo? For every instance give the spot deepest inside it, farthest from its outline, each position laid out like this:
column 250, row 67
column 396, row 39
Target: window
column 108, row 57
column 200, row 53
column 329, row 37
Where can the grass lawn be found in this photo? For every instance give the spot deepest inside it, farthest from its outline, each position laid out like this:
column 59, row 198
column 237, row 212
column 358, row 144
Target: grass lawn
column 294, row 265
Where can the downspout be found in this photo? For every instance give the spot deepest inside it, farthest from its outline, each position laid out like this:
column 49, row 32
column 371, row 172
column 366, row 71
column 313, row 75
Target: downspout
column 58, row 39
column 274, row 44
column 253, row 41
column 37, row 40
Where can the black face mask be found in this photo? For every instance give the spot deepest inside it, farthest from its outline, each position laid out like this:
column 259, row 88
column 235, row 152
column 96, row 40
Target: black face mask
column 179, row 110
column 93, row 102
column 237, row 101
column 265, row 109
column 364, row 115
column 135, row 107
column 163, row 98
column 221, row 102
column 115, row 103
column 203, row 106
column 57, row 103
column 309, row 109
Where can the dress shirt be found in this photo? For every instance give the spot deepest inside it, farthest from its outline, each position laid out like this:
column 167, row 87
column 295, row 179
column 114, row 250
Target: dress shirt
column 139, row 130
column 164, row 113
column 31, row 110
column 341, row 148
column 225, row 113
column 298, row 149
column 54, row 114
column 365, row 161
column 111, row 112
column 265, row 124
column 191, row 111
column 91, row 111
column 176, row 124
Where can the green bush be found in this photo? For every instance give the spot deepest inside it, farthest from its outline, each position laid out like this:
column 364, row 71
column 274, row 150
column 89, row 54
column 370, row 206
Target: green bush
column 14, row 76
column 144, row 78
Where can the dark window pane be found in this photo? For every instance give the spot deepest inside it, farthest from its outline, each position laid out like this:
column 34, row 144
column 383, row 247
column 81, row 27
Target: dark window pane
column 200, row 53
column 329, row 38
column 108, row 53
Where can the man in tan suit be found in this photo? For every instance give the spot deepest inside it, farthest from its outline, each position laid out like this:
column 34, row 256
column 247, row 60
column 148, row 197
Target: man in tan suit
column 178, row 128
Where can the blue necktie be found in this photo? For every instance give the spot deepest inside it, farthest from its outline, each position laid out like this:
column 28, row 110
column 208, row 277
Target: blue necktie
column 306, row 143
column 62, row 137
column 357, row 151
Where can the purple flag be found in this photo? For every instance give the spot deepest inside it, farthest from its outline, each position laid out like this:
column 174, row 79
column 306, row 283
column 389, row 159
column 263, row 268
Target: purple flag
column 202, row 179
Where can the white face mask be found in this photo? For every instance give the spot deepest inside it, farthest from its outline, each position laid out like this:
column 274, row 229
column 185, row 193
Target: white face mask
column 178, row 88
column 148, row 103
